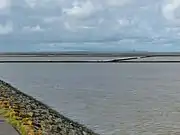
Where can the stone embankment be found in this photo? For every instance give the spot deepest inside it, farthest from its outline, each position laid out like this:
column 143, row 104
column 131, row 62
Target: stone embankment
column 31, row 117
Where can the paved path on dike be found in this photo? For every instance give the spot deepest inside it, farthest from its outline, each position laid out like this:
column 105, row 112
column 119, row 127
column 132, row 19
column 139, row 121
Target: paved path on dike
column 6, row 129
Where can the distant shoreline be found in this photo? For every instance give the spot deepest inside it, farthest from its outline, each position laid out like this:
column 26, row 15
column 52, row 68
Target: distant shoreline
column 85, row 62
column 88, row 54
column 113, row 58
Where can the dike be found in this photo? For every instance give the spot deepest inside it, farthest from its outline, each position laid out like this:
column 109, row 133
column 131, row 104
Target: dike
column 32, row 117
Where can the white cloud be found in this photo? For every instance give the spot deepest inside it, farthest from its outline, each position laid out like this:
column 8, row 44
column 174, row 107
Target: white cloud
column 51, row 19
column 124, row 22
column 31, row 3
column 80, row 9
column 70, row 27
column 86, row 27
column 4, row 6
column 85, row 20
column 76, row 27
column 169, row 9
column 6, row 29
column 100, row 20
column 36, row 28
column 78, row 18
column 84, row 9
column 67, row 26
column 43, row 3
column 117, row 3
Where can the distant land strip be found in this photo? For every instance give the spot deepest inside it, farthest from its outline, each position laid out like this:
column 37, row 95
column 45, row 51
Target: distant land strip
column 125, row 59
column 121, row 61
column 87, row 54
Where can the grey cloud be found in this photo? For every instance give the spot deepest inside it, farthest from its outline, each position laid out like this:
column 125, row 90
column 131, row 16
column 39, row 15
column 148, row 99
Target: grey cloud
column 87, row 19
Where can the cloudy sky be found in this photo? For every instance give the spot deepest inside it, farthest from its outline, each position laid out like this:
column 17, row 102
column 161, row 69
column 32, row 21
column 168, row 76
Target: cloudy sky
column 94, row 25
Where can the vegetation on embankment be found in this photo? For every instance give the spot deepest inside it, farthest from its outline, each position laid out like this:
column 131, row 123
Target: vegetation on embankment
column 32, row 117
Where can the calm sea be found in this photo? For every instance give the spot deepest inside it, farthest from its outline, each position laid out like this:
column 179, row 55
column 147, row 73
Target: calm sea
column 112, row 99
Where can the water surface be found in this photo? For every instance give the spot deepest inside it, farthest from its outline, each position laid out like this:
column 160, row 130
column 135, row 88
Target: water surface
column 112, row 99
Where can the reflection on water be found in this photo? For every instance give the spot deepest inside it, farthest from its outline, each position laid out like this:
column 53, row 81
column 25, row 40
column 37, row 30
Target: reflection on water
column 112, row 99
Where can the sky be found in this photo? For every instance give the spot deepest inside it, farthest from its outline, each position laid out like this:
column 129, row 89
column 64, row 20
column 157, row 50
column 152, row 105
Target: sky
column 89, row 25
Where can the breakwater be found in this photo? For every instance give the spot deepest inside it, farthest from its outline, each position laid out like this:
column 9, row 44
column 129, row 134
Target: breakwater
column 30, row 116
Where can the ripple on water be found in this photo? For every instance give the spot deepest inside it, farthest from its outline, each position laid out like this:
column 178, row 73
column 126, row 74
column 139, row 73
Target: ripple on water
column 126, row 99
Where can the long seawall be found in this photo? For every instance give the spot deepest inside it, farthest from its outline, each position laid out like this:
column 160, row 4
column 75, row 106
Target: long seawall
column 29, row 115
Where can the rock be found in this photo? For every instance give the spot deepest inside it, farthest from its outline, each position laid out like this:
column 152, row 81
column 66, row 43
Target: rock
column 39, row 115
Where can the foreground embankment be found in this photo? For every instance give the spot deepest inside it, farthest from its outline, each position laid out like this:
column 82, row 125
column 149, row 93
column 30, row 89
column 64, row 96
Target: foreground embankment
column 31, row 117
